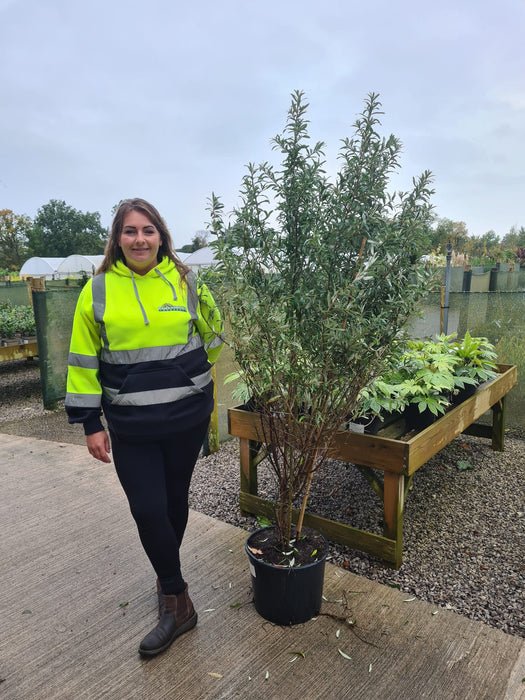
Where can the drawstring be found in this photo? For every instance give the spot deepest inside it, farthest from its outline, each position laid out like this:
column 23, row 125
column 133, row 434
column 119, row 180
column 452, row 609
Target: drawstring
column 146, row 320
column 170, row 284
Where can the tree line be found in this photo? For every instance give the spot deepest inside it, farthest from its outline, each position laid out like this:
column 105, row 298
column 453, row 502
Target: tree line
column 487, row 248
column 59, row 230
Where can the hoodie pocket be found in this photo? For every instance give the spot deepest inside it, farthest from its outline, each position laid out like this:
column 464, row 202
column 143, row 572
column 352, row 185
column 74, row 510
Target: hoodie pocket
column 155, row 385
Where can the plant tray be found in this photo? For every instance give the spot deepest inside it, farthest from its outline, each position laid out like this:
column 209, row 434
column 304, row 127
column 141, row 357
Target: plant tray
column 397, row 458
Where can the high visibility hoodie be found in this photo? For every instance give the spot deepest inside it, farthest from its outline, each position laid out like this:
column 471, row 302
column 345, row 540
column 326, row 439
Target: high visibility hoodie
column 142, row 347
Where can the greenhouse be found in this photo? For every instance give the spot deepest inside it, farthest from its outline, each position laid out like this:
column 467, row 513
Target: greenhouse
column 59, row 268
column 203, row 257
column 76, row 265
column 40, row 267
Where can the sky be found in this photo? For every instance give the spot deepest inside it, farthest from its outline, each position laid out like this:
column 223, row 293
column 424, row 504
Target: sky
column 169, row 100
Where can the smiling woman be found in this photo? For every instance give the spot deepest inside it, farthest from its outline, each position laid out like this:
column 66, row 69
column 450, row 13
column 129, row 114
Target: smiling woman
column 149, row 372
column 140, row 242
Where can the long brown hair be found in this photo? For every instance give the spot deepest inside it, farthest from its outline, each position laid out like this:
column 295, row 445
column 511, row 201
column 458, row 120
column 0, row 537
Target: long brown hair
column 113, row 251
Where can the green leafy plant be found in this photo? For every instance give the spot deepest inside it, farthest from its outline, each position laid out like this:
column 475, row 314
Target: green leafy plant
column 8, row 325
column 318, row 277
column 428, row 374
column 25, row 320
column 476, row 358
column 16, row 319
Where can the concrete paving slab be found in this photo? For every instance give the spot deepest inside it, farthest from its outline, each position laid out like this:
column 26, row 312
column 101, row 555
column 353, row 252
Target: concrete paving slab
column 78, row 594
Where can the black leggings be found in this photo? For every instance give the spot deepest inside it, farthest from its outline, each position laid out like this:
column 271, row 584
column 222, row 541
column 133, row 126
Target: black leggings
column 155, row 476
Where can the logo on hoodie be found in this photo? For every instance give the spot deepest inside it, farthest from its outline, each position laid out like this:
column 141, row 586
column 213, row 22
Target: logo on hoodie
column 170, row 307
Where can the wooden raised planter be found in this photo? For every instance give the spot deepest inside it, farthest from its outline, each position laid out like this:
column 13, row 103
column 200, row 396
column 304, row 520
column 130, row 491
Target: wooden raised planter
column 398, row 458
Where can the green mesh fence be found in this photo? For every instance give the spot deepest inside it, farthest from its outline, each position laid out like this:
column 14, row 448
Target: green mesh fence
column 14, row 292
column 498, row 316
column 54, row 310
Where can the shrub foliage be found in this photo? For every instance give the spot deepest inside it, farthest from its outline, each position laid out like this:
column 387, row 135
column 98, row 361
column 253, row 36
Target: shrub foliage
column 319, row 276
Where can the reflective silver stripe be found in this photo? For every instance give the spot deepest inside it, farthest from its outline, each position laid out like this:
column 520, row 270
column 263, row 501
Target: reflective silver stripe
column 215, row 343
column 156, row 396
column 192, row 303
column 193, row 296
column 161, row 352
column 76, row 359
column 83, row 400
column 98, row 291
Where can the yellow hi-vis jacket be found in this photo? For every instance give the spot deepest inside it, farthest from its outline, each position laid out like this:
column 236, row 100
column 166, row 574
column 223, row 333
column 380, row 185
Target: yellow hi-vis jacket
column 141, row 350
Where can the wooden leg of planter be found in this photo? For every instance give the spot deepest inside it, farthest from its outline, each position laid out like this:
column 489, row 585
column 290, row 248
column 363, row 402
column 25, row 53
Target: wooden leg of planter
column 248, row 468
column 498, row 425
column 369, row 475
column 248, row 455
column 393, row 503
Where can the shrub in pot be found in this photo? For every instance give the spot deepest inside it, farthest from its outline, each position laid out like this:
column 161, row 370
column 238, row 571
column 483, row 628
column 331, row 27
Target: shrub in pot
column 317, row 278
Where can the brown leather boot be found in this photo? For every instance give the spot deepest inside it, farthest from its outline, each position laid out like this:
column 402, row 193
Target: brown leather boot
column 178, row 616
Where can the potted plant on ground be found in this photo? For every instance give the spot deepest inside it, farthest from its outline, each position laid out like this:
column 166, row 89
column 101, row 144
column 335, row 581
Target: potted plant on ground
column 318, row 277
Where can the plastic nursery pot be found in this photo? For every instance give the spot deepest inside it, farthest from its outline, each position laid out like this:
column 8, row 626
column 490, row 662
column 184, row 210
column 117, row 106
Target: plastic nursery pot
column 417, row 420
column 286, row 595
column 464, row 394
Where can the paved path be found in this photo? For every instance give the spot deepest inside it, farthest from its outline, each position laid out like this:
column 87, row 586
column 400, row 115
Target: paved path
column 77, row 595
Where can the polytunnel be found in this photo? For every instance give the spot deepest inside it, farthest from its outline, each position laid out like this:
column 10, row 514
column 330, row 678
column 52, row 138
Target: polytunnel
column 76, row 265
column 40, row 267
column 203, row 257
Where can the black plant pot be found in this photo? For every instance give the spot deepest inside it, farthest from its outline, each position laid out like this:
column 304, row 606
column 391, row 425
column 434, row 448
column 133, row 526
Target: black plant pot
column 372, row 426
column 416, row 419
column 377, row 424
column 286, row 595
column 464, row 394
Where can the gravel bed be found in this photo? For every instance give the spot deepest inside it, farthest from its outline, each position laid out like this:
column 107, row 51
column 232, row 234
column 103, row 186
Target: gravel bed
column 20, row 390
column 464, row 530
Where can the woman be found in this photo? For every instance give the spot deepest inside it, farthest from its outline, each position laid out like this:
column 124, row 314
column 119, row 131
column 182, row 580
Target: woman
column 144, row 339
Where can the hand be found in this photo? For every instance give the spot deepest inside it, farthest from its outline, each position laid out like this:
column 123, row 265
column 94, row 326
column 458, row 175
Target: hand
column 98, row 446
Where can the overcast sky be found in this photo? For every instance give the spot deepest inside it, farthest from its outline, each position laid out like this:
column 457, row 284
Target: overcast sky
column 168, row 100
